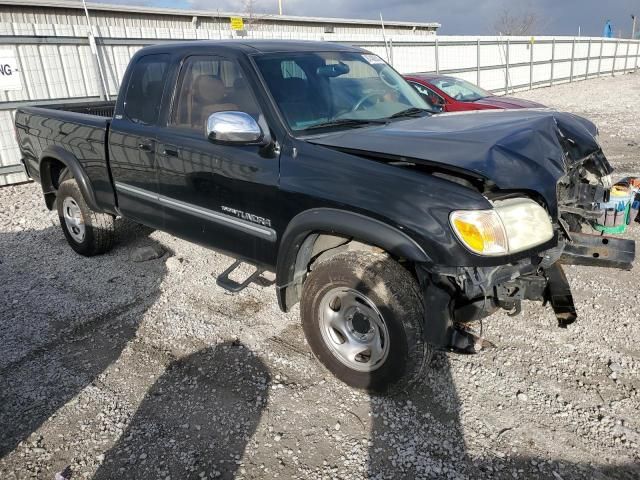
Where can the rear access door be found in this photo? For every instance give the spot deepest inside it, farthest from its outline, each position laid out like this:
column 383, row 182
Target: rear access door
column 132, row 141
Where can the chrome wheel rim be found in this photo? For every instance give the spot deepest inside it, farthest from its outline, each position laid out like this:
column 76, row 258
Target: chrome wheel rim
column 73, row 219
column 353, row 329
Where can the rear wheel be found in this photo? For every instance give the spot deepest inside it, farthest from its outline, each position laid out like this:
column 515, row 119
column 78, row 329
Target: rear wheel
column 89, row 233
column 362, row 315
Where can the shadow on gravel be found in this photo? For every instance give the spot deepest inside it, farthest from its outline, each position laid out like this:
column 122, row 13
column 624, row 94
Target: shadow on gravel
column 198, row 417
column 64, row 319
column 433, row 410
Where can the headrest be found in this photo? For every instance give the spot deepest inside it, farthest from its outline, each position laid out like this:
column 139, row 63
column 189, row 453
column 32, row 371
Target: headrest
column 209, row 88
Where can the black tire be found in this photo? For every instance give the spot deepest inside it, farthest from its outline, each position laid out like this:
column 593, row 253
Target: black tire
column 99, row 228
column 395, row 293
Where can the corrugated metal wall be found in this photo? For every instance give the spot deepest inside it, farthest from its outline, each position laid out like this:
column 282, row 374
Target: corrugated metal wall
column 219, row 22
column 56, row 62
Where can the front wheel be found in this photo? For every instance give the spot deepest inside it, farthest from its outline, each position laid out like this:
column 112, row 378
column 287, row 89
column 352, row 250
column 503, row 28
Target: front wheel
column 362, row 315
column 89, row 233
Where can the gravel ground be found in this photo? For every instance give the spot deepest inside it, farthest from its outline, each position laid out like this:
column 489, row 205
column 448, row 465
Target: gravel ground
column 113, row 368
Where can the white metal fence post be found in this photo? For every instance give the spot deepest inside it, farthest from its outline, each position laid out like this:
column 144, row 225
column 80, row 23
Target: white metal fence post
column 586, row 73
column 600, row 57
column 478, row 62
column 573, row 54
column 615, row 55
column 531, row 43
column 506, row 69
column 553, row 58
column 437, row 59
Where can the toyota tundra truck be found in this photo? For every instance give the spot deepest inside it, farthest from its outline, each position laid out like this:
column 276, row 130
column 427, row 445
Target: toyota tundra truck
column 395, row 229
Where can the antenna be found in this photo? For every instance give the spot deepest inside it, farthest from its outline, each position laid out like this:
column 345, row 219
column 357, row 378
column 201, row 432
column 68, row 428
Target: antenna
column 384, row 38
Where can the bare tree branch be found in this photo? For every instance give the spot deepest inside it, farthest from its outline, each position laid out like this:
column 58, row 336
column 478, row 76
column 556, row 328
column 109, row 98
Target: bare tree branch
column 512, row 23
column 251, row 15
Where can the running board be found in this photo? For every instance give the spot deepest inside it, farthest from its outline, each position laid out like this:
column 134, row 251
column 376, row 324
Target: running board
column 223, row 280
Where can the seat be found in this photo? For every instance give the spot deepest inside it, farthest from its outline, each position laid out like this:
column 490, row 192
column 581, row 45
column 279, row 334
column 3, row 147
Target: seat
column 208, row 97
column 293, row 96
column 243, row 98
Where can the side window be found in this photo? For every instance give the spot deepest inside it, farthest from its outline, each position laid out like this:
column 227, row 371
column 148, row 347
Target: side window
column 144, row 92
column 208, row 85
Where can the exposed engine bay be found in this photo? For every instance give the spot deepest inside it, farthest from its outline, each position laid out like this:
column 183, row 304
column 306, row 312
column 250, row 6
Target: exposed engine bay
column 580, row 192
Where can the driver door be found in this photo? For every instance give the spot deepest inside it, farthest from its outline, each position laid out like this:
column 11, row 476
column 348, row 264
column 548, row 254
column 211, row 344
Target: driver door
column 215, row 194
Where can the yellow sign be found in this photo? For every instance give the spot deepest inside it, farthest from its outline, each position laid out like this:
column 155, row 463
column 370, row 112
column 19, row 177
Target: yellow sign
column 237, row 23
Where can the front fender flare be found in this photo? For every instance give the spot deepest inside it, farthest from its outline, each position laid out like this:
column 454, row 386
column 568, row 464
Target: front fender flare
column 336, row 222
column 56, row 152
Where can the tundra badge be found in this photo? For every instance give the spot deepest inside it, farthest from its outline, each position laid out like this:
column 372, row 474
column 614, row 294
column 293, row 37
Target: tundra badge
column 247, row 216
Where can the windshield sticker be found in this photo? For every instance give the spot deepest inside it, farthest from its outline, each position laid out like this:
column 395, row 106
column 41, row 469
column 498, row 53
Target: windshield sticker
column 373, row 59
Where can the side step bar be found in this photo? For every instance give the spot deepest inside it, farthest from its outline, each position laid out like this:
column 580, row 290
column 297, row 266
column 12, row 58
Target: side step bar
column 599, row 251
column 223, row 280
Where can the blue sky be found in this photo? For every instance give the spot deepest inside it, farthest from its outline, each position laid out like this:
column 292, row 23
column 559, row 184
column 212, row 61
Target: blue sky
column 458, row 17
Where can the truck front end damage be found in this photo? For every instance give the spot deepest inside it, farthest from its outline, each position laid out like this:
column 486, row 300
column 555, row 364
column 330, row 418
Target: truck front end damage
column 542, row 177
column 480, row 291
column 460, row 296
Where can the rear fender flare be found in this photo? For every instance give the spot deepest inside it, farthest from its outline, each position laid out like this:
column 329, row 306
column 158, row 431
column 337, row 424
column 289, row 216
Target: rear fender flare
column 54, row 152
column 297, row 242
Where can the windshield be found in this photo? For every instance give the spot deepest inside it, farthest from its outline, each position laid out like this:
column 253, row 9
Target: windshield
column 460, row 89
column 337, row 89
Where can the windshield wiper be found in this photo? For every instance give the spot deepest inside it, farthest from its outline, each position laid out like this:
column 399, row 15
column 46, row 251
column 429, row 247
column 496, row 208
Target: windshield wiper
column 410, row 112
column 345, row 122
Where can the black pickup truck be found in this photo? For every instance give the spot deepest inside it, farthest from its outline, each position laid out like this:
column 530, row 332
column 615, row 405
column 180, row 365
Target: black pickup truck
column 394, row 228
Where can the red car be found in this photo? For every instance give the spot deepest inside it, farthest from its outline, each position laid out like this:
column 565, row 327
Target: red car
column 451, row 94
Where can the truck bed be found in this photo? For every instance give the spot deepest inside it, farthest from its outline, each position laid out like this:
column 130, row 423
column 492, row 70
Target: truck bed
column 99, row 109
column 76, row 130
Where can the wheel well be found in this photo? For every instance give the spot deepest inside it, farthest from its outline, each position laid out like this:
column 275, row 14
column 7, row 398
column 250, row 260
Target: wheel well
column 51, row 174
column 318, row 247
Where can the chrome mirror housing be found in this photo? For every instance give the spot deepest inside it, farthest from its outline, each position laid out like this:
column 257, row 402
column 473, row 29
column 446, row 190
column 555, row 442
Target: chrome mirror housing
column 233, row 127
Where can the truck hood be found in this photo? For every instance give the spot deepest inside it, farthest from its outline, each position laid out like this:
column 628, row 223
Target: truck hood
column 514, row 149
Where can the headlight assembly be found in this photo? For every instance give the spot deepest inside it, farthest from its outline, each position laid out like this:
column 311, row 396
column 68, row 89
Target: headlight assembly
column 512, row 226
column 481, row 231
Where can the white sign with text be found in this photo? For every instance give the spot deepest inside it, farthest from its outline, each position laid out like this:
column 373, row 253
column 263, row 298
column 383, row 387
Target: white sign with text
column 9, row 75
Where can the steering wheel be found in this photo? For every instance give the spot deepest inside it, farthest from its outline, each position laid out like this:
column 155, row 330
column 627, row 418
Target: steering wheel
column 366, row 97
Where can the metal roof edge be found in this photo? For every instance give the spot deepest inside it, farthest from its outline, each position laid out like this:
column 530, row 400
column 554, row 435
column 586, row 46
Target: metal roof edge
column 210, row 13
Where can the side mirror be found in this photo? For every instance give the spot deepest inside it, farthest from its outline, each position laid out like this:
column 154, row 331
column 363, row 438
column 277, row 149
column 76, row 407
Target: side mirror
column 234, row 128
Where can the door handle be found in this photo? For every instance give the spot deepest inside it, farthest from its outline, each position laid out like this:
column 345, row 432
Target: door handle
column 145, row 147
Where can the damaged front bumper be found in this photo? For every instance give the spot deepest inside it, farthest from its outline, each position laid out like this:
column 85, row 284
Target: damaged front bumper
column 456, row 297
